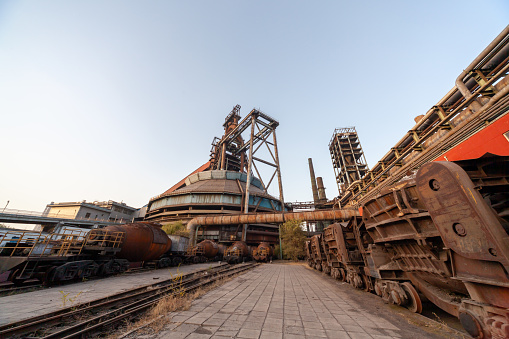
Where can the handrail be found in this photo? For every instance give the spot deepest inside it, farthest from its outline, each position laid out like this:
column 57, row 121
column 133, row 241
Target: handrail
column 24, row 243
column 15, row 212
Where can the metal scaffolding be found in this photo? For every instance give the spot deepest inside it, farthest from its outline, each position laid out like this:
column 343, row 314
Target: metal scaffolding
column 347, row 157
column 229, row 152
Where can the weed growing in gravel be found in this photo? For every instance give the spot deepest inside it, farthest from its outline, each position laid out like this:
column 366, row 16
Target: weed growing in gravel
column 65, row 298
column 177, row 279
column 158, row 317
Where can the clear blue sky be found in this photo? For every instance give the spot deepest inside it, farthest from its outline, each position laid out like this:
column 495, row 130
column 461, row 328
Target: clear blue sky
column 120, row 99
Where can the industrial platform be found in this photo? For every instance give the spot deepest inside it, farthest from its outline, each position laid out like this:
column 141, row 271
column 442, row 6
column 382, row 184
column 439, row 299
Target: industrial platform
column 293, row 301
column 26, row 305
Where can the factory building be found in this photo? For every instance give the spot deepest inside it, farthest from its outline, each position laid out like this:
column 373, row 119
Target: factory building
column 98, row 210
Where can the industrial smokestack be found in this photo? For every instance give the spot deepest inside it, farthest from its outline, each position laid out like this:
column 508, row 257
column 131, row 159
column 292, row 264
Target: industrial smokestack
column 313, row 181
column 321, row 190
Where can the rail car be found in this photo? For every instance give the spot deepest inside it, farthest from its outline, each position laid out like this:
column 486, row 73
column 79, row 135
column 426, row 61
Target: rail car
column 54, row 257
column 70, row 254
column 441, row 234
column 237, row 253
column 434, row 210
column 263, row 252
column 206, row 250
column 73, row 254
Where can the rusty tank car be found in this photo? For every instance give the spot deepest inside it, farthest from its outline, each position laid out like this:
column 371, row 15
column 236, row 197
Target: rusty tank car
column 236, row 253
column 263, row 253
column 435, row 208
column 143, row 241
column 206, row 250
column 74, row 254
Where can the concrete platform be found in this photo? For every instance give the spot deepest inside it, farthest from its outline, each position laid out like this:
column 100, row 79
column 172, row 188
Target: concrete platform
column 293, row 301
column 27, row 305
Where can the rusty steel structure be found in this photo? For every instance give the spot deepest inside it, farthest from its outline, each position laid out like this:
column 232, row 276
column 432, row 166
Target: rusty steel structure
column 230, row 182
column 435, row 209
column 229, row 152
column 478, row 100
column 348, row 158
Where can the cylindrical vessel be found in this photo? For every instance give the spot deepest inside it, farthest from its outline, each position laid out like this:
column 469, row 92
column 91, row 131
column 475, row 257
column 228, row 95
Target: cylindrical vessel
column 209, row 248
column 239, row 246
column 222, row 248
column 143, row 241
column 263, row 252
column 265, row 247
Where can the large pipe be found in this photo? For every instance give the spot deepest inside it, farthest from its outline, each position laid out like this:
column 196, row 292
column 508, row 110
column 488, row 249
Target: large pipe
column 459, row 81
column 267, row 218
column 313, row 181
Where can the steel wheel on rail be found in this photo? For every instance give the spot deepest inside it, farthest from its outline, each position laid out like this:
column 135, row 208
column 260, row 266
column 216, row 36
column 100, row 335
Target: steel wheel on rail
column 414, row 301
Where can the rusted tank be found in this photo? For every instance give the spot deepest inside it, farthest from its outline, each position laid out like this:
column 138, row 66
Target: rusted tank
column 222, row 249
column 239, row 248
column 208, row 248
column 237, row 252
column 143, row 241
column 263, row 252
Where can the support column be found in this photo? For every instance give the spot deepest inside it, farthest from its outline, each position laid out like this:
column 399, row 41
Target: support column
column 281, row 197
column 248, row 179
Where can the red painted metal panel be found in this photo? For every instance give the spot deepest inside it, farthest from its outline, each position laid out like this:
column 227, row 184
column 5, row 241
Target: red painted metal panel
column 489, row 140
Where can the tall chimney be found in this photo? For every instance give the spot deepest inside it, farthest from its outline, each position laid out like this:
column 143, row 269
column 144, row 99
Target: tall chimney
column 321, row 190
column 313, row 181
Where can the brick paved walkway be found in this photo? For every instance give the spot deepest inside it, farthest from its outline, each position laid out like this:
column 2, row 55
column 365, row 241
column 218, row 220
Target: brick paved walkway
column 284, row 301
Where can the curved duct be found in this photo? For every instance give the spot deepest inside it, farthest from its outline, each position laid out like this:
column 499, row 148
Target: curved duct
column 267, row 218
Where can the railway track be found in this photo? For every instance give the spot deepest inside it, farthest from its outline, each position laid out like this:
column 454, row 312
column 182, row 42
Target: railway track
column 92, row 317
column 34, row 285
column 9, row 288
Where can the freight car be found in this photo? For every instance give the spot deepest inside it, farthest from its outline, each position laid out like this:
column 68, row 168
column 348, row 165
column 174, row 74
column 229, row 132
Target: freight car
column 54, row 257
column 237, row 253
column 435, row 210
column 441, row 234
column 206, row 250
column 263, row 253
column 76, row 254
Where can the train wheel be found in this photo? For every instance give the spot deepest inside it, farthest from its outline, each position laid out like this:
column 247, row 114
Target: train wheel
column 414, row 301
column 14, row 277
column 367, row 283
